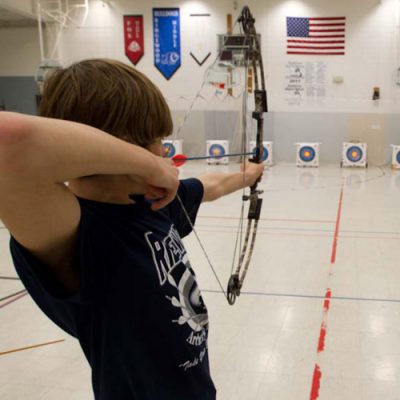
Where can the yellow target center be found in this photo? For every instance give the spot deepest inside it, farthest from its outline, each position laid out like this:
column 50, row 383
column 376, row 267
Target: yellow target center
column 307, row 153
column 354, row 154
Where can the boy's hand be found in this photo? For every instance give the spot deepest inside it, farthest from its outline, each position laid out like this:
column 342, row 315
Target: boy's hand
column 252, row 172
column 161, row 183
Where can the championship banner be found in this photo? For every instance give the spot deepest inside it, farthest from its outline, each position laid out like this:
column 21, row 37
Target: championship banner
column 200, row 43
column 134, row 37
column 167, row 40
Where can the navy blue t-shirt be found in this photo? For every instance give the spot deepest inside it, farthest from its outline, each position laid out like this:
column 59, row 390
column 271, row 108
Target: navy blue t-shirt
column 138, row 315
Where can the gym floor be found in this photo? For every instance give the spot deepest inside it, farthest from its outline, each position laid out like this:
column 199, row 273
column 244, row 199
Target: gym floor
column 319, row 315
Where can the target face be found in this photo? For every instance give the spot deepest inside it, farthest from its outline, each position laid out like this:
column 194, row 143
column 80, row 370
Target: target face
column 354, row 154
column 265, row 153
column 398, row 157
column 216, row 150
column 169, row 150
column 307, row 154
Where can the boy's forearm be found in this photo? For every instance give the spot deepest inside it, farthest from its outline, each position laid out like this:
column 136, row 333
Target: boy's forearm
column 61, row 150
column 217, row 184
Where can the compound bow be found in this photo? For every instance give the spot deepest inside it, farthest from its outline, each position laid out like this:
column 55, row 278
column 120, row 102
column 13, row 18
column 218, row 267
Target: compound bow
column 236, row 280
column 253, row 55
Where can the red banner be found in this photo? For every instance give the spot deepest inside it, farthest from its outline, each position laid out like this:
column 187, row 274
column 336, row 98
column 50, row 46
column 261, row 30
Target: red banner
column 134, row 37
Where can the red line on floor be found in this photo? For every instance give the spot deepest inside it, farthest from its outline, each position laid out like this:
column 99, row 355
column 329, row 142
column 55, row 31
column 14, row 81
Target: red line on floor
column 322, row 333
column 317, row 376
column 316, row 383
column 327, row 301
column 335, row 238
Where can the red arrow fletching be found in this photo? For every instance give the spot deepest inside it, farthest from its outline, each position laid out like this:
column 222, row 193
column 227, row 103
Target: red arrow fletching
column 179, row 159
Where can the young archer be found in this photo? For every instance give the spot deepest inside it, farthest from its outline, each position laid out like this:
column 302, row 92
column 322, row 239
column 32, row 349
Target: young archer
column 102, row 256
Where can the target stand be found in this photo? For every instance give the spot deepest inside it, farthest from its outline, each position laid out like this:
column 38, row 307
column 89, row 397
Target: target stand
column 216, row 149
column 395, row 156
column 354, row 155
column 307, row 154
column 172, row 147
column 267, row 158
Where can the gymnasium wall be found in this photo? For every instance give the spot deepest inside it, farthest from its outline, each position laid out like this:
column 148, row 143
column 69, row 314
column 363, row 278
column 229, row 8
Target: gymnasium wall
column 20, row 56
column 24, row 7
column 344, row 112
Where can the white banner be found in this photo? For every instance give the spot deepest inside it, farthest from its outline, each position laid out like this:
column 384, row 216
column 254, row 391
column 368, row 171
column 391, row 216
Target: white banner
column 200, row 37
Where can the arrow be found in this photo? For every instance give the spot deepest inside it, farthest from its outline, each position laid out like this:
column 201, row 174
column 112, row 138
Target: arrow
column 180, row 159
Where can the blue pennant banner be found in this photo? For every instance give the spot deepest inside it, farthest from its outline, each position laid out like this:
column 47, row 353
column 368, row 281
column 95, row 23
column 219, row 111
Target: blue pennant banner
column 167, row 40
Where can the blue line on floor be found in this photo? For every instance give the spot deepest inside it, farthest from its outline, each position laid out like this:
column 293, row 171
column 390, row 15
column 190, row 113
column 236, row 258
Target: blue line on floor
column 306, row 296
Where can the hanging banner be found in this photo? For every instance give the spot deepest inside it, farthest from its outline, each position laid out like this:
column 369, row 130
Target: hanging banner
column 200, row 42
column 167, row 40
column 134, row 37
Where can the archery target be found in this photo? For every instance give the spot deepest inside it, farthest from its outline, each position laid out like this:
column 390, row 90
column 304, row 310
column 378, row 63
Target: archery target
column 267, row 151
column 395, row 156
column 172, row 147
column 354, row 155
column 307, row 154
column 216, row 150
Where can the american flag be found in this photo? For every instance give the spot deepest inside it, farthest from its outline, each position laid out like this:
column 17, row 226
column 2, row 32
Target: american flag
column 324, row 36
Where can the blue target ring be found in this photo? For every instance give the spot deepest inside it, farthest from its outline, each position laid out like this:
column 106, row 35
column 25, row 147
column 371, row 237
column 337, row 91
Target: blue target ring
column 307, row 154
column 398, row 157
column 354, row 154
column 216, row 150
column 265, row 153
column 169, row 150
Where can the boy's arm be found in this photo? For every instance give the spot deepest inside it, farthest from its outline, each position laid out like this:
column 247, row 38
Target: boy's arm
column 37, row 155
column 219, row 184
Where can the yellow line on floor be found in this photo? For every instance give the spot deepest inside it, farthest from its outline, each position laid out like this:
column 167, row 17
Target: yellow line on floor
column 2, row 353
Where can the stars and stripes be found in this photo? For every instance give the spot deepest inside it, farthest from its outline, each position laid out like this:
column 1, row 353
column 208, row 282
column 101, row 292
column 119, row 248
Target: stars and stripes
column 322, row 36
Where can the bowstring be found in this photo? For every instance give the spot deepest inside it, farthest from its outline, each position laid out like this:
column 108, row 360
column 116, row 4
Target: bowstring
column 201, row 245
